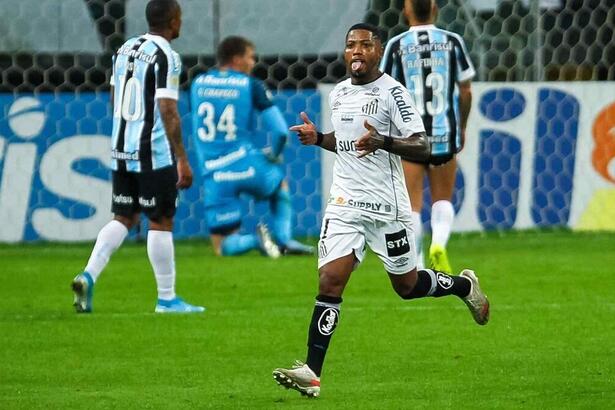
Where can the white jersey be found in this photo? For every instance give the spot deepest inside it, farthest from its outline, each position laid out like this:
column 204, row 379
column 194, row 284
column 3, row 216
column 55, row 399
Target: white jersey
column 373, row 185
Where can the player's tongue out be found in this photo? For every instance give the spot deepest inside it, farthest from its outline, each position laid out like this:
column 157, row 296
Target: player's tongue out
column 356, row 65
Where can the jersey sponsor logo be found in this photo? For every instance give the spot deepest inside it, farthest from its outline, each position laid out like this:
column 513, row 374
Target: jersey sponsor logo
column 228, row 216
column 227, row 176
column 227, row 159
column 343, row 146
column 371, row 107
column 127, row 50
column 368, row 206
column 232, row 81
column 147, row 203
column 122, row 199
column 423, row 48
column 125, row 156
column 347, row 118
column 397, row 243
column 444, row 280
column 405, row 110
column 328, row 321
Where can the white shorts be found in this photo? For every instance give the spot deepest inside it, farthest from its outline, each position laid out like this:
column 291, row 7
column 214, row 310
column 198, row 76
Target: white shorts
column 343, row 233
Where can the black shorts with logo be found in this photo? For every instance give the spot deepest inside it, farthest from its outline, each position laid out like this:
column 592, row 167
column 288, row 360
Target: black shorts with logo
column 154, row 193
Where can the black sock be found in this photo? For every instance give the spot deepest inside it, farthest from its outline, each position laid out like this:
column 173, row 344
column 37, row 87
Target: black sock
column 436, row 284
column 324, row 321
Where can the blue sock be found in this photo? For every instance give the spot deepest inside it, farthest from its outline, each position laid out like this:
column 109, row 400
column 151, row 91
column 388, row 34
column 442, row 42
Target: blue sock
column 237, row 244
column 282, row 214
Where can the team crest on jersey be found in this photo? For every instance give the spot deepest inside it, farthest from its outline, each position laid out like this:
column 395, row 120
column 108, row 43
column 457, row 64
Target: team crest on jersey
column 328, row 321
column 397, row 243
column 444, row 280
column 371, row 108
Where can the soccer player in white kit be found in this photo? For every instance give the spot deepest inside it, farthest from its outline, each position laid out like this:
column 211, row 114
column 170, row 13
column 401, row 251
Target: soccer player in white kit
column 374, row 124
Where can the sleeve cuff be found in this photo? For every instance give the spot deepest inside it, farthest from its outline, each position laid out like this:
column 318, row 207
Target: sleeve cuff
column 167, row 93
column 467, row 75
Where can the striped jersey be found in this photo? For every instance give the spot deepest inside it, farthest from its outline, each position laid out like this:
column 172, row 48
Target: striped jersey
column 145, row 69
column 224, row 106
column 431, row 63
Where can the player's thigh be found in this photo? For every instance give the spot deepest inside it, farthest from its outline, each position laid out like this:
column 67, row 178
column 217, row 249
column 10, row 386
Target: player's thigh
column 393, row 242
column 222, row 206
column 340, row 236
column 125, row 195
column 442, row 180
column 158, row 194
column 414, row 174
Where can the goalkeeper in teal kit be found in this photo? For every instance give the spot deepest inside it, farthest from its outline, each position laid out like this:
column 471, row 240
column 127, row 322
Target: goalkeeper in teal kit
column 224, row 103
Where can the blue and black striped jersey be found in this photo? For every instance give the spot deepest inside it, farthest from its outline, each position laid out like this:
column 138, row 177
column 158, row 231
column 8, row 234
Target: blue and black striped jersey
column 145, row 69
column 431, row 63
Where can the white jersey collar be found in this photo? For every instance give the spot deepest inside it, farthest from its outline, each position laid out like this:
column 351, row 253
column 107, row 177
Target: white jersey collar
column 422, row 27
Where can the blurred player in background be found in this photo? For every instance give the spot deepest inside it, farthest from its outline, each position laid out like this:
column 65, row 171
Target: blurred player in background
column 149, row 161
column 369, row 202
column 224, row 103
column 436, row 68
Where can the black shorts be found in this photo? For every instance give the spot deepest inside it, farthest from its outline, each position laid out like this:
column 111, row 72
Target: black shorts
column 154, row 193
column 434, row 160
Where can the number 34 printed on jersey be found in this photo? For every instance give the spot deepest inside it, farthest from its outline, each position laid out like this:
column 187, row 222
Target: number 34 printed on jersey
column 226, row 123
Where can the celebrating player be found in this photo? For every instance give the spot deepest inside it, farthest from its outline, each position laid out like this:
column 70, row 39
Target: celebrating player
column 224, row 101
column 435, row 67
column 148, row 158
column 374, row 123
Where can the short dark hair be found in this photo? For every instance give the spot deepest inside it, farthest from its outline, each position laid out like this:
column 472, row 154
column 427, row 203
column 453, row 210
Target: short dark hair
column 232, row 46
column 422, row 9
column 367, row 27
column 159, row 12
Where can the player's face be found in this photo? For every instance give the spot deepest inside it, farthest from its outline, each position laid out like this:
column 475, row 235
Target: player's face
column 362, row 53
column 246, row 62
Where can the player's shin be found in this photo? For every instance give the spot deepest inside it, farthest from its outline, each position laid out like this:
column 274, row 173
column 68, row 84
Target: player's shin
column 324, row 321
column 434, row 283
column 109, row 239
column 282, row 214
column 237, row 244
column 442, row 217
column 161, row 254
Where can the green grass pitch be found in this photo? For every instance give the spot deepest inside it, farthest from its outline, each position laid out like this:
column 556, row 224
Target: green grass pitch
column 550, row 342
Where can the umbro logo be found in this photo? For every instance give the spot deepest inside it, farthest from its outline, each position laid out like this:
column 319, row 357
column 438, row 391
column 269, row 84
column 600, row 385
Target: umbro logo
column 370, row 108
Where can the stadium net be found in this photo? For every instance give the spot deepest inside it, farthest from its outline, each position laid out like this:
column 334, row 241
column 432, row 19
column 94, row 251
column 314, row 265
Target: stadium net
column 542, row 153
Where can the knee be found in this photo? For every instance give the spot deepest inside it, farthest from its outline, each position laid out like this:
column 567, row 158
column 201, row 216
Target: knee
column 127, row 221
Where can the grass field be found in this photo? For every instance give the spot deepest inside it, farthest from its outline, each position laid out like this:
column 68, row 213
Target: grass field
column 550, row 342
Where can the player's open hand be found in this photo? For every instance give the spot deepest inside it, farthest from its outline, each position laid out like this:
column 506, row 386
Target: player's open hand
column 184, row 174
column 369, row 142
column 307, row 131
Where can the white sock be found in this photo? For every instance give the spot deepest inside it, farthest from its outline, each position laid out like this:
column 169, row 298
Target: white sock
column 442, row 216
column 162, row 257
column 109, row 239
column 418, row 238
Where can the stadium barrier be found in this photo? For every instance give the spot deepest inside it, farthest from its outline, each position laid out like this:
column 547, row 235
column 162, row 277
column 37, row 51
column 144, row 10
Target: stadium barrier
column 537, row 154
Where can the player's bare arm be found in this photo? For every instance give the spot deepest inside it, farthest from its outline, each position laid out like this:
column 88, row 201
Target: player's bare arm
column 465, row 103
column 172, row 126
column 308, row 135
column 415, row 147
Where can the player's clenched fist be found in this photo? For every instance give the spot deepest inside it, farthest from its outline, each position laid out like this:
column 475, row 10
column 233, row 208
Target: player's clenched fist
column 306, row 131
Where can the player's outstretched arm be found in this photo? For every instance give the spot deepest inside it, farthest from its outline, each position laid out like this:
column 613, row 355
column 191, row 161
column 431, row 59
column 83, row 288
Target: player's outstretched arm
column 172, row 126
column 414, row 148
column 308, row 135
